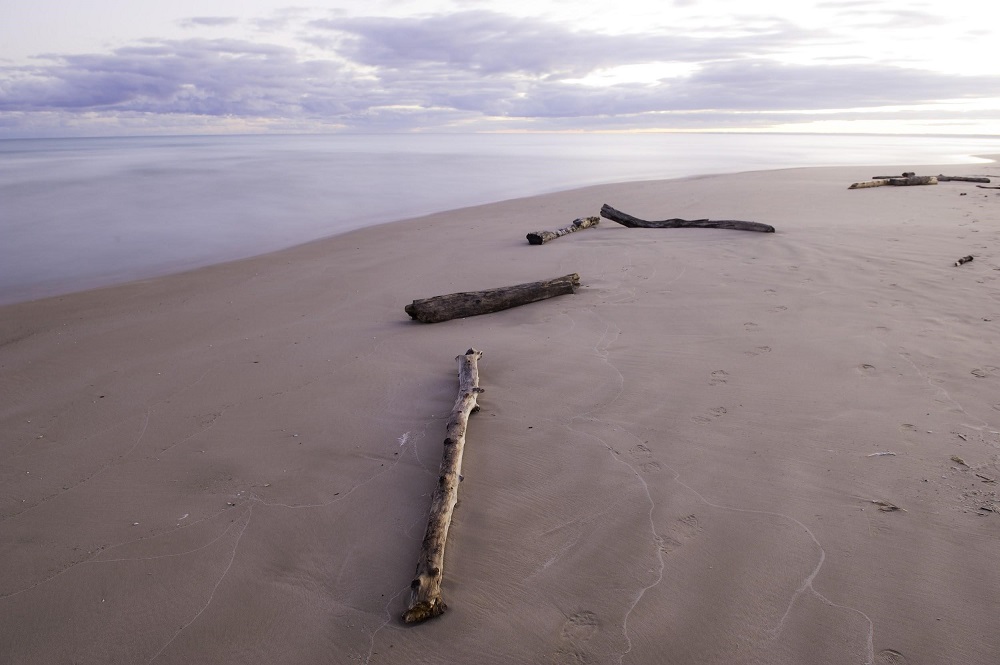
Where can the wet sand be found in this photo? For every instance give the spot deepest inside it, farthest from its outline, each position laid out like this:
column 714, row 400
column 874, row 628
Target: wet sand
column 682, row 462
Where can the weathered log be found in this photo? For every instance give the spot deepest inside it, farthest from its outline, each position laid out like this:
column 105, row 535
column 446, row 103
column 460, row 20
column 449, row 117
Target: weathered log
column 472, row 303
column 864, row 184
column 962, row 178
column 899, row 182
column 636, row 223
column 542, row 237
column 914, row 180
column 425, row 590
column 964, row 259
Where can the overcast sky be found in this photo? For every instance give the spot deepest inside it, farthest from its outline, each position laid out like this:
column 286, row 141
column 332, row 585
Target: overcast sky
column 109, row 67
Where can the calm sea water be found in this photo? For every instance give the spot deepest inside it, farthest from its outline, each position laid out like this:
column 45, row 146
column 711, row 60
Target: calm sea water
column 78, row 213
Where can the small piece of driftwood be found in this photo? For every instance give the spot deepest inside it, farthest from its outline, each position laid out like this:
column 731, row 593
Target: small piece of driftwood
column 962, row 178
column 899, row 182
column 964, row 259
column 472, row 303
column 988, row 186
column 425, row 590
column 636, row 223
column 542, row 237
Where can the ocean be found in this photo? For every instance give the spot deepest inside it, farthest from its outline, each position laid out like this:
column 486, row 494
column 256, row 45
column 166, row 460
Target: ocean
column 80, row 213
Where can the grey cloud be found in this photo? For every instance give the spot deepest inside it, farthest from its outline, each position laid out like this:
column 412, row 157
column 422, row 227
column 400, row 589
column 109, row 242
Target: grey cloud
column 490, row 43
column 743, row 85
column 207, row 77
column 460, row 69
column 208, row 21
column 764, row 84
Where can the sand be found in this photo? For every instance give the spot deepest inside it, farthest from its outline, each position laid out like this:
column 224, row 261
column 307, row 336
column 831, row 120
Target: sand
column 677, row 464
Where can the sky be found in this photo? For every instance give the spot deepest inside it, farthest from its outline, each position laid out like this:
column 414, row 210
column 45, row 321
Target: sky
column 151, row 67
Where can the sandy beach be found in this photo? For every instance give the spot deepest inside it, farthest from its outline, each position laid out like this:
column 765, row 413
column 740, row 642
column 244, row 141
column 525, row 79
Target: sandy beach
column 695, row 458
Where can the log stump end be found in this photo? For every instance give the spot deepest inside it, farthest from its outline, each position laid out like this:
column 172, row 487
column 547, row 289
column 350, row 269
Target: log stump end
column 424, row 610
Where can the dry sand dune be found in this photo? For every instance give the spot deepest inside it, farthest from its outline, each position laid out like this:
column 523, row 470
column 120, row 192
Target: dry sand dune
column 677, row 464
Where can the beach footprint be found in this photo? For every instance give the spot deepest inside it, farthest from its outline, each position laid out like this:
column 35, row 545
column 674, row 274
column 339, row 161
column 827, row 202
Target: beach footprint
column 719, row 377
column 651, row 467
column 757, row 351
column 890, row 657
column 680, row 532
column 710, row 416
column 643, row 455
column 576, row 631
column 640, row 451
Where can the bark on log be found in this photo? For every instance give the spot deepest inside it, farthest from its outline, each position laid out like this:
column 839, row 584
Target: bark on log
column 542, row 237
column 425, row 594
column 472, row 303
column 636, row 223
column 899, row 182
column 962, row 178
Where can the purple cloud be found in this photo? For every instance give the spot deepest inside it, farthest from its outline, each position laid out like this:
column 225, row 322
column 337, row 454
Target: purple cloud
column 209, row 21
column 398, row 74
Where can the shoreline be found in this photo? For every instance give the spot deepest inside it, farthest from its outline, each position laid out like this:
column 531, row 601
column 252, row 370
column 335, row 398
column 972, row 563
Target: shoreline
column 683, row 458
column 70, row 231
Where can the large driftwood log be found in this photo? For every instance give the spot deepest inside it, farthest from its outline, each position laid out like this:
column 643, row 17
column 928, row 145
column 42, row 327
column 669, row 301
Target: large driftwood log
column 636, row 223
column 962, row 178
column 542, row 237
column 899, row 182
column 425, row 590
column 471, row 303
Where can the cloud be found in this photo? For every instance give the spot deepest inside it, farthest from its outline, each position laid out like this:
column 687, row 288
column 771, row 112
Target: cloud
column 209, row 21
column 200, row 77
column 490, row 43
column 880, row 15
column 473, row 69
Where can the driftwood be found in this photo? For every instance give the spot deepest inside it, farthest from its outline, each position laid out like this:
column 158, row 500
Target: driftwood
column 964, row 259
column 542, row 237
column 425, row 590
column 906, row 174
column 864, row 184
column 471, row 303
column 962, row 178
column 634, row 222
column 899, row 182
column 941, row 178
column 988, row 187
